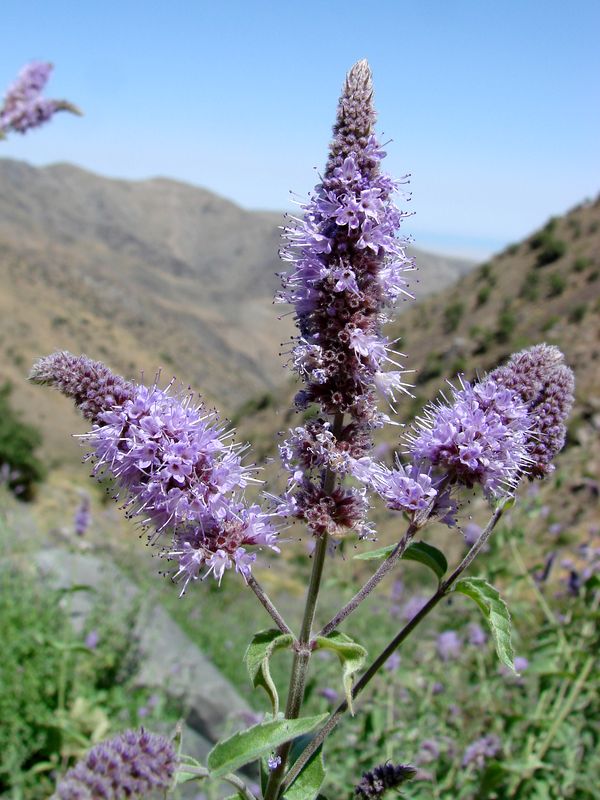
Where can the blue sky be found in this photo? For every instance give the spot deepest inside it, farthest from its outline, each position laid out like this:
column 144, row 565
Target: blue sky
column 492, row 107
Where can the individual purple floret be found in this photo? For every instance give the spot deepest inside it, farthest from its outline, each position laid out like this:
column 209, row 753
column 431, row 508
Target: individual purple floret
column 375, row 783
column 347, row 265
column 448, row 645
column 480, row 439
column 480, row 750
column 83, row 516
column 546, row 384
column 405, row 489
column 24, row 107
column 476, row 635
column 172, row 460
column 130, row 765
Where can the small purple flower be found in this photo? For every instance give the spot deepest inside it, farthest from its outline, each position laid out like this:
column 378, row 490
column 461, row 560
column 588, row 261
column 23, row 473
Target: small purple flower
column 476, row 635
column 273, row 761
column 471, row 533
column 429, row 751
column 403, row 489
column 393, row 662
column 448, row 645
column 412, row 607
column 329, row 694
column 83, row 516
column 521, row 663
column 24, row 107
column 92, row 639
column 132, row 764
column 480, row 750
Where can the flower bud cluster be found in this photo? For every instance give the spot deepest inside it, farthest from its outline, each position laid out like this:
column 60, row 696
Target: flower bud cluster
column 130, row 765
column 546, row 385
column 375, row 783
column 173, row 461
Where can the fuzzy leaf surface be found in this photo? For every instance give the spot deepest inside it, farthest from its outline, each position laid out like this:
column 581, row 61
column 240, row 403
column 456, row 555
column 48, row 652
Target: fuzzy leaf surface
column 495, row 611
column 352, row 656
column 257, row 657
column 246, row 746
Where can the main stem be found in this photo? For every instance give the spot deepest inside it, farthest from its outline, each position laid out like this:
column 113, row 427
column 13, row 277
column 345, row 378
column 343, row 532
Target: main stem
column 302, row 651
column 364, row 680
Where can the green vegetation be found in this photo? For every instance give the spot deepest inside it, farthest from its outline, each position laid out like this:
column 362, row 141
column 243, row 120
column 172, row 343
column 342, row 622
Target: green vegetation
column 551, row 250
column 20, row 468
column 556, row 284
column 581, row 264
column 578, row 312
column 530, row 288
column 253, row 406
column 453, row 315
column 483, row 295
column 507, row 321
column 57, row 695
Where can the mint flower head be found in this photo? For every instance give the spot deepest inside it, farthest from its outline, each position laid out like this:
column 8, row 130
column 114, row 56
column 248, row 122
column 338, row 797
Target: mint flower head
column 347, row 266
column 128, row 766
column 375, row 783
column 174, row 463
column 481, row 438
column 24, row 107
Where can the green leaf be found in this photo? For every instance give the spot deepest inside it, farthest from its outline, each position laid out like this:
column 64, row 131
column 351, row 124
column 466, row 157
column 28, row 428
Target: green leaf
column 309, row 781
column 257, row 656
column 245, row 746
column 496, row 613
column 352, row 657
column 371, row 555
column 422, row 552
column 428, row 555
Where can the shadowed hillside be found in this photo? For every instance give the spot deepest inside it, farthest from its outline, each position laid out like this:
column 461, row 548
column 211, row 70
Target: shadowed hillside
column 142, row 275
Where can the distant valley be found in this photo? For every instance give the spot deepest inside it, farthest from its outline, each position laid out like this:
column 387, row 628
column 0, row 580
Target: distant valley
column 144, row 274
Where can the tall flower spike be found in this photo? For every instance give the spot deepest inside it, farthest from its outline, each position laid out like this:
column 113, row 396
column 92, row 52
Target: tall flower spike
column 130, row 765
column 24, row 107
column 172, row 460
column 546, row 385
column 347, row 266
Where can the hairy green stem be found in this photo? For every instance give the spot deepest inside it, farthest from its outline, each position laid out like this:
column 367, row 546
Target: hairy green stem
column 443, row 589
column 302, row 650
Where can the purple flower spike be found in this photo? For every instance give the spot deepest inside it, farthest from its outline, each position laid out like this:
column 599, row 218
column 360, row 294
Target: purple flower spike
column 448, row 645
column 174, row 463
column 24, row 107
column 130, row 765
column 83, row 516
column 480, row 750
column 480, row 438
column 347, row 266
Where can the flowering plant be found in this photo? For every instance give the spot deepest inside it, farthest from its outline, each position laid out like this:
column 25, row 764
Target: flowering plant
column 178, row 471
column 24, row 106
